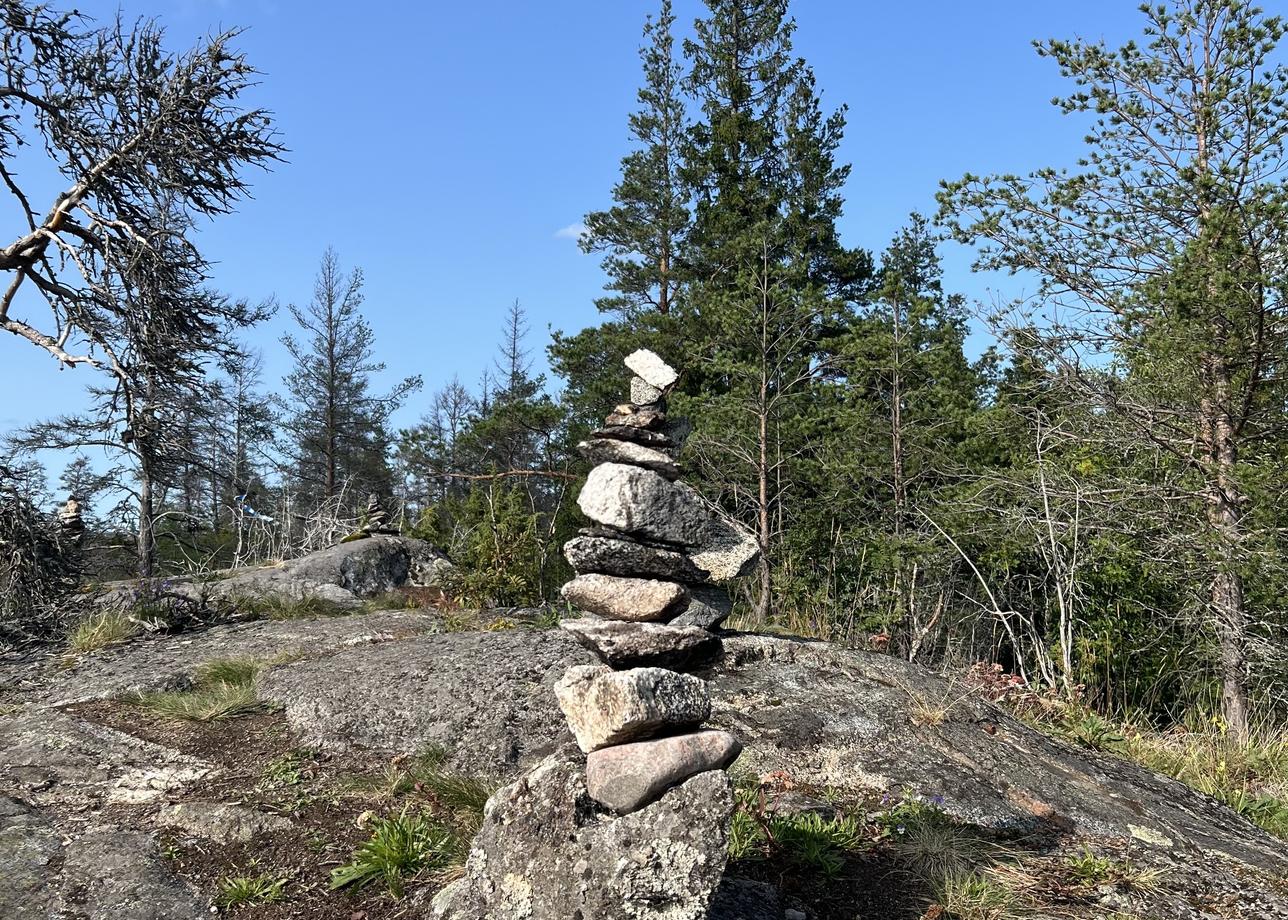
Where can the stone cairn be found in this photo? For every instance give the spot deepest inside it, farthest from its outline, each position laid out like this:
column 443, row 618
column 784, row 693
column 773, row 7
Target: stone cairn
column 634, row 826
column 648, row 572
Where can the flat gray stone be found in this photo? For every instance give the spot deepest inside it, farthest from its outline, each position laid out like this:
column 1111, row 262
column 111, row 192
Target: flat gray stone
column 617, row 555
column 652, row 369
column 629, row 776
column 609, row 450
column 639, row 501
column 634, row 645
column 709, row 606
column 219, row 821
column 605, row 707
column 655, row 439
column 633, row 599
column 633, row 416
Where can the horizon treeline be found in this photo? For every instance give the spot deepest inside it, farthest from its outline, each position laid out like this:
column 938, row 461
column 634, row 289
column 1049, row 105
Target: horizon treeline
column 1095, row 502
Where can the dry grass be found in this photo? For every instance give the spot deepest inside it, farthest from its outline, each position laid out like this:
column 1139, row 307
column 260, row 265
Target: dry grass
column 100, row 630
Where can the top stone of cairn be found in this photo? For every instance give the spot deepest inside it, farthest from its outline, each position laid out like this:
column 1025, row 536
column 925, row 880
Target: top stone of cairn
column 652, row 369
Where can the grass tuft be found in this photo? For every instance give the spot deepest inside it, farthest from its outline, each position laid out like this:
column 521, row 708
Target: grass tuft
column 1250, row 778
column 99, row 630
column 975, row 896
column 931, row 845
column 280, row 607
column 221, row 689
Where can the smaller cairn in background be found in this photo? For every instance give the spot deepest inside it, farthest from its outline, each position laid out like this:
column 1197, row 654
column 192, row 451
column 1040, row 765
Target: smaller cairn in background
column 649, row 576
column 71, row 524
column 376, row 518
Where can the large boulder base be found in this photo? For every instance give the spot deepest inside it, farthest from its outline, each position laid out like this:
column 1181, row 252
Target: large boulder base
column 486, row 698
column 545, row 852
column 825, row 716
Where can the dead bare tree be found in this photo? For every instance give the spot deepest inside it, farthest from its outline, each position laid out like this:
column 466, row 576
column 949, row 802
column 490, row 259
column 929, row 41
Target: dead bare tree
column 138, row 134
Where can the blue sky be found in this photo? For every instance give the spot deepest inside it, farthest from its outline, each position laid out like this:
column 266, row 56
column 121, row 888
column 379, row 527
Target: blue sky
column 444, row 147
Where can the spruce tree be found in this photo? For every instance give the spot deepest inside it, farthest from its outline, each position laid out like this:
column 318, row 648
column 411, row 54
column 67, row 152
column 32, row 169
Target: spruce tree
column 770, row 284
column 337, row 427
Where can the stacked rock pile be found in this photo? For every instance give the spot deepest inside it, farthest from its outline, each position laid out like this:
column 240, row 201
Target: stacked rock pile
column 649, row 575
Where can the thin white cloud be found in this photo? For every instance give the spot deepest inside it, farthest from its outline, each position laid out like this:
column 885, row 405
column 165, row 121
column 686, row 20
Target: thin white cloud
column 571, row 232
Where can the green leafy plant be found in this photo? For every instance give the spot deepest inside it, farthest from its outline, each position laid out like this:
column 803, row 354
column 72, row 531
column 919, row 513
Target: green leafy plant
column 813, row 842
column 1092, row 870
column 247, row 891
column 400, row 848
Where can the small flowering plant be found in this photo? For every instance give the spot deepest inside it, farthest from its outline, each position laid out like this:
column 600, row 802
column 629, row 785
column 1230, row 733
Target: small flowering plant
column 899, row 813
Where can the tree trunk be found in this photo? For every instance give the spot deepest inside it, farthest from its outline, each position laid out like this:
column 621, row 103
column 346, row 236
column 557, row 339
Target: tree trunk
column 1224, row 514
column 147, row 529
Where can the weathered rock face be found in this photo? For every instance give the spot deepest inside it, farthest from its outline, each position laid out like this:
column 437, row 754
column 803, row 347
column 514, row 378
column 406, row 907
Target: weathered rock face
column 618, row 598
column 485, row 697
column 708, row 607
column 346, row 572
column 611, row 450
column 344, row 575
column 640, row 502
column 605, row 707
column 545, row 852
column 825, row 715
column 634, row 645
column 98, row 874
column 628, row 776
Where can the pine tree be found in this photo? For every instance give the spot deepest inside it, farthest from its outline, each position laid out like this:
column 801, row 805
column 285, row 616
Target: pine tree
column 770, row 284
column 1155, row 258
